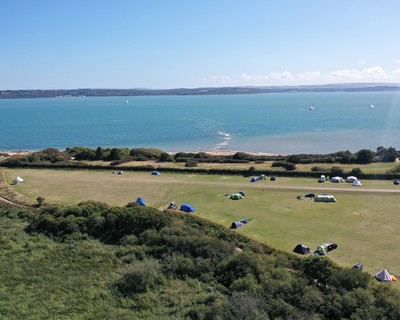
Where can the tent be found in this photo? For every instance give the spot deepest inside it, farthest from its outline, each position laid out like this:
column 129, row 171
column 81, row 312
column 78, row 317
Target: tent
column 236, row 225
column 141, row 202
column 324, row 198
column 242, row 193
column 301, row 249
column 272, row 178
column 337, row 179
column 155, row 173
column 356, row 183
column 351, row 179
column 18, row 180
column 324, row 248
column 172, row 205
column 396, row 182
column 384, row 276
column 322, row 178
column 255, row 179
column 187, row 208
column 236, row 196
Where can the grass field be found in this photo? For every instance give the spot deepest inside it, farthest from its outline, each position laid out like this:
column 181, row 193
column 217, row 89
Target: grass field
column 364, row 221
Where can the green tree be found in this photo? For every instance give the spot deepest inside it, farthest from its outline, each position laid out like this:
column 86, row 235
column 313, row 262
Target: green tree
column 364, row 156
column 115, row 154
column 40, row 201
column 99, row 153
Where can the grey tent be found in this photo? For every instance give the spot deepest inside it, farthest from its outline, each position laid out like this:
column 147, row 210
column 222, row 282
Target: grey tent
column 384, row 276
column 236, row 225
column 301, row 249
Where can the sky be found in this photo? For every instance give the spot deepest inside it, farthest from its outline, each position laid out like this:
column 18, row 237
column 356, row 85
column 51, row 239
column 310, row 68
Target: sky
column 58, row 44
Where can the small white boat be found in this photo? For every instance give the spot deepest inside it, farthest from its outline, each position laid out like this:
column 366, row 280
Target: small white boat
column 371, row 106
column 311, row 108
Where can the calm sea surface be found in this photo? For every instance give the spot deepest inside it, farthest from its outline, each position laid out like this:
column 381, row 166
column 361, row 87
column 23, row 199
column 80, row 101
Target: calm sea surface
column 275, row 123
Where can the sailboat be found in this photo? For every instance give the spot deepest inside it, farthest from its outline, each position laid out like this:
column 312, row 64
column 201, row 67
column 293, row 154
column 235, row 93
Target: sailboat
column 311, row 108
column 371, row 106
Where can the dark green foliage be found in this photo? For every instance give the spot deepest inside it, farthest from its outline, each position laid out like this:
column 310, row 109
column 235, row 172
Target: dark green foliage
column 346, row 157
column 348, row 279
column 356, row 172
column 364, row 156
column 318, row 169
column 115, row 154
column 284, row 164
column 191, row 163
column 143, row 276
column 146, row 153
column 318, row 269
column 336, row 171
column 99, row 154
column 166, row 157
column 40, row 201
column 165, row 264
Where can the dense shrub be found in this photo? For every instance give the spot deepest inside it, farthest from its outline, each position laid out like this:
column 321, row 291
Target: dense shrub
column 317, row 168
column 336, row 171
column 144, row 276
column 191, row 163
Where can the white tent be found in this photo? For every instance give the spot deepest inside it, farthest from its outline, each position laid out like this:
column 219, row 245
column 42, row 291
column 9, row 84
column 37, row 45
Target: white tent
column 356, row 183
column 18, row 180
column 383, row 275
column 337, row 179
column 351, row 178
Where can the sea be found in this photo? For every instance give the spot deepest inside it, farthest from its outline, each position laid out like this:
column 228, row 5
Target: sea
column 277, row 123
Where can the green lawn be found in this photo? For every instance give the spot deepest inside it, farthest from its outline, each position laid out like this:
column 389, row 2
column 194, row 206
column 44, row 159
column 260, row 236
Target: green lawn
column 364, row 224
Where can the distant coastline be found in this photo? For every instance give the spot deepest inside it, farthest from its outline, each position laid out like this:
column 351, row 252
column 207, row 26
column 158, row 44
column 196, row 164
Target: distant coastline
column 74, row 93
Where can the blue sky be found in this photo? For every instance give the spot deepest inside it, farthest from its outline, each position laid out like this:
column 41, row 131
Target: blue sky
column 182, row 43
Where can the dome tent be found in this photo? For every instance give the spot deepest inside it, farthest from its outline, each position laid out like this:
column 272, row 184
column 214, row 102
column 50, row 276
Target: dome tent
column 141, row 202
column 187, row 208
column 155, row 173
column 236, row 225
column 356, row 183
column 236, row 196
column 301, row 249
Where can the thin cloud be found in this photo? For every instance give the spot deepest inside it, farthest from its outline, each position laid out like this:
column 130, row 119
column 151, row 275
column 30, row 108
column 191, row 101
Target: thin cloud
column 314, row 75
column 397, row 61
column 373, row 73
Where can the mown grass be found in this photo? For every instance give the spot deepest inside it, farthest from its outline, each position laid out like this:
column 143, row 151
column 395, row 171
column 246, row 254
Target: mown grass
column 364, row 224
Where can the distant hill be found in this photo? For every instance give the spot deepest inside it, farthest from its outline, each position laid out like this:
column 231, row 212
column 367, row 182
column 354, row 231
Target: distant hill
column 70, row 93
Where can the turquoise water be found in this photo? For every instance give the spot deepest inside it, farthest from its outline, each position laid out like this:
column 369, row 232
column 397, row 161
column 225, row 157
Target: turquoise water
column 275, row 123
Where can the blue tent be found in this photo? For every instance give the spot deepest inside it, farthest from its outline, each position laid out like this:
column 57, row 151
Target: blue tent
column 141, row 202
column 187, row 208
column 236, row 225
column 255, row 179
column 155, row 173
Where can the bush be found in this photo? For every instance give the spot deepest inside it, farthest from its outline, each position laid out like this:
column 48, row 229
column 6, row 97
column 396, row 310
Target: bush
column 144, row 276
column 317, row 168
column 356, row 172
column 191, row 163
column 336, row 171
